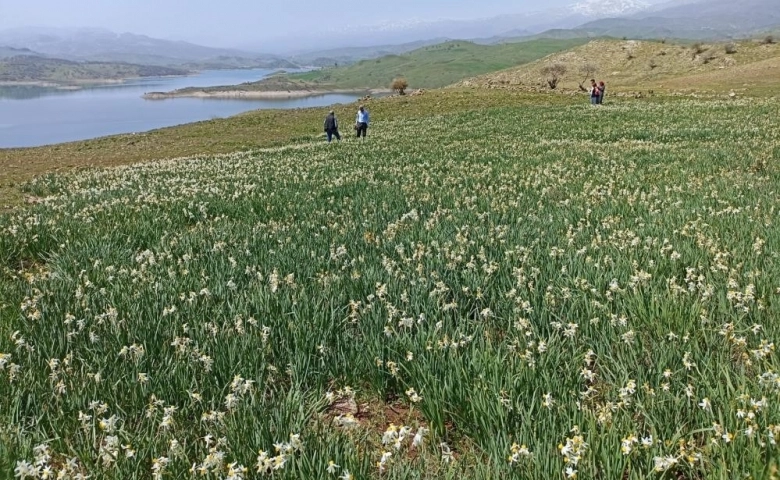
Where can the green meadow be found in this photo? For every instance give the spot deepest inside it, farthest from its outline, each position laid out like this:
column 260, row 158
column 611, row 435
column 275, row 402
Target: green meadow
column 522, row 287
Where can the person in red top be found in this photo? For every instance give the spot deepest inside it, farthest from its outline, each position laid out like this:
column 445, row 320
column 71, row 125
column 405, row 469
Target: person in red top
column 594, row 93
column 602, row 89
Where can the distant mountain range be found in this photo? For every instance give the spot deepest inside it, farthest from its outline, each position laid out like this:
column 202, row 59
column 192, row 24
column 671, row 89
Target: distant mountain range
column 712, row 19
column 483, row 30
column 348, row 55
column 89, row 44
column 683, row 19
column 603, row 8
column 639, row 19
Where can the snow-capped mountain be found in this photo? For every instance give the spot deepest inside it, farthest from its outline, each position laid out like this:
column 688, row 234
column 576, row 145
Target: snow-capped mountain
column 609, row 8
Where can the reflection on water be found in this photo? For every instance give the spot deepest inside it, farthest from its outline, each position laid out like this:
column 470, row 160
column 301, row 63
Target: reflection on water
column 34, row 115
column 27, row 92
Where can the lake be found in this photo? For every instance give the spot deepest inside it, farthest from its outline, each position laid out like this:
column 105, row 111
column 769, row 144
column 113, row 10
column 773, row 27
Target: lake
column 33, row 116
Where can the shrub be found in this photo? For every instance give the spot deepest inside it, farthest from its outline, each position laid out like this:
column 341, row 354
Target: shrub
column 707, row 57
column 554, row 72
column 769, row 39
column 400, row 85
column 697, row 49
column 730, row 48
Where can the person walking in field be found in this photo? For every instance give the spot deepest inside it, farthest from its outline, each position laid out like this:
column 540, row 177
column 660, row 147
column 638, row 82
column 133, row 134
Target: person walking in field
column 332, row 126
column 602, row 90
column 594, row 92
column 361, row 122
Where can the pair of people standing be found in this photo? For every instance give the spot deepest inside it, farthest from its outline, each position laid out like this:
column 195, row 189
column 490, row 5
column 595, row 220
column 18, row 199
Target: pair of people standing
column 597, row 92
column 361, row 124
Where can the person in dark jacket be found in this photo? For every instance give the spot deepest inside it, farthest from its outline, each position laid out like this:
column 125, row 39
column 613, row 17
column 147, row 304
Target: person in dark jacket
column 332, row 126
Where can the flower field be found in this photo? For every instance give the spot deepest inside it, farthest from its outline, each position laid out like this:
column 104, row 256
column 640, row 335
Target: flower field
column 521, row 292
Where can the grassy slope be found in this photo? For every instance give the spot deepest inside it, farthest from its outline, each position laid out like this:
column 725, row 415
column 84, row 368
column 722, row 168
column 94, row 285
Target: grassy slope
column 634, row 64
column 39, row 69
column 266, row 128
column 757, row 76
column 261, row 128
column 437, row 65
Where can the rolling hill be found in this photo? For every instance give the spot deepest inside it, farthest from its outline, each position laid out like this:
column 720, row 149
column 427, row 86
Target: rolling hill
column 30, row 69
column 429, row 67
column 631, row 64
column 8, row 52
column 436, row 65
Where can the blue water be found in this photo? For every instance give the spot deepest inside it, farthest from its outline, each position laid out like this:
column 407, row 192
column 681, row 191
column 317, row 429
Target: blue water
column 34, row 116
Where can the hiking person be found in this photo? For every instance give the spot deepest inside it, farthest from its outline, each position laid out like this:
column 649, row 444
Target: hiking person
column 332, row 126
column 594, row 92
column 361, row 122
column 602, row 89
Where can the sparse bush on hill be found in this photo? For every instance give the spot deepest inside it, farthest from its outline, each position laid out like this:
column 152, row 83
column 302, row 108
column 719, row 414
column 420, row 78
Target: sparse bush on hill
column 697, row 49
column 652, row 64
column 554, row 72
column 769, row 39
column 400, row 85
column 708, row 56
column 730, row 48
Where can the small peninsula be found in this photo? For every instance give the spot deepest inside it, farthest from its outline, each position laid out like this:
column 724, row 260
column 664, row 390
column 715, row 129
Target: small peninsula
column 277, row 86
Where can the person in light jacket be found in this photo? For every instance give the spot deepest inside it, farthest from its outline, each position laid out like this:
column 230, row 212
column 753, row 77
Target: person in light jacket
column 361, row 122
column 332, row 126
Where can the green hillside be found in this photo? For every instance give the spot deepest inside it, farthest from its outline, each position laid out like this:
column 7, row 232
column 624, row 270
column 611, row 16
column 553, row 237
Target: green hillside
column 437, row 65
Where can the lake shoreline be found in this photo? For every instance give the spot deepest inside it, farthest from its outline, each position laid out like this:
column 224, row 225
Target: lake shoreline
column 260, row 95
column 35, row 116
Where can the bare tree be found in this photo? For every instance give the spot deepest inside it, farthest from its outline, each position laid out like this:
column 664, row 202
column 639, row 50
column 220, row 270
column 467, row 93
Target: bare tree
column 554, row 72
column 400, row 85
column 588, row 70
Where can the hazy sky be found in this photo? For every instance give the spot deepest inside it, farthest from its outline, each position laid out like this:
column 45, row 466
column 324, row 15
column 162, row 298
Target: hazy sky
column 237, row 22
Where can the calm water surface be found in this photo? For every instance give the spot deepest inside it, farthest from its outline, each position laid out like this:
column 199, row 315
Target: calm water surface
column 33, row 116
